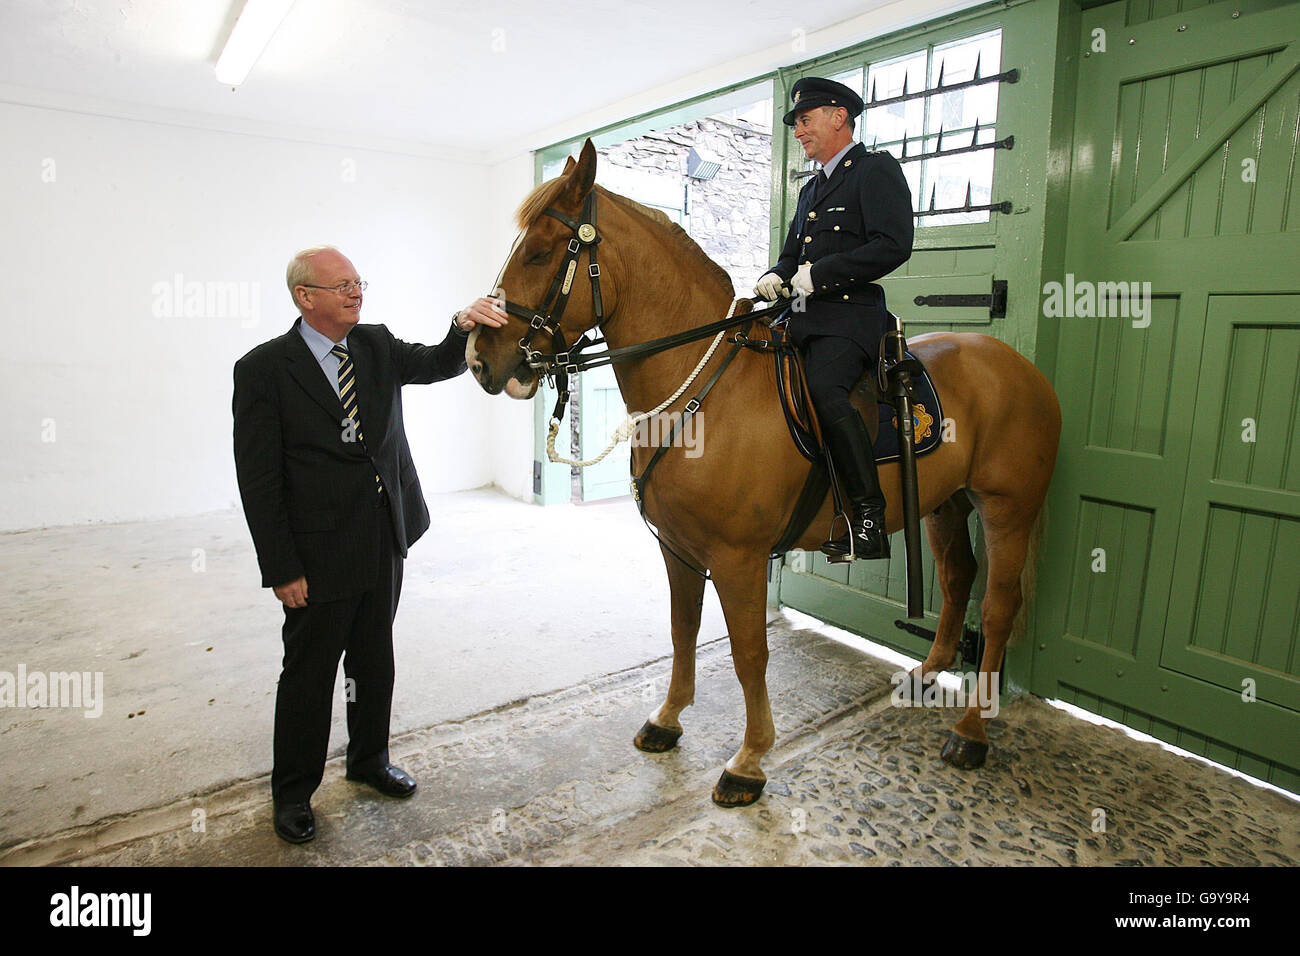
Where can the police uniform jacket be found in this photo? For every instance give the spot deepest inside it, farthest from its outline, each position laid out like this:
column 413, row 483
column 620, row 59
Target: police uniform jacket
column 858, row 230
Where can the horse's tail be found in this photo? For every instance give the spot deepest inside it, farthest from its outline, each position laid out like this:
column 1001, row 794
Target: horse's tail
column 1029, row 576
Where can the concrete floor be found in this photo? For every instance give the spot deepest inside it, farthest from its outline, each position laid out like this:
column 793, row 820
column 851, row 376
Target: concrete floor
column 516, row 715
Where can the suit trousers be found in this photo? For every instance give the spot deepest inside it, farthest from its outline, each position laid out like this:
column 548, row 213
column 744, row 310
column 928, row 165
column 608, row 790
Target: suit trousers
column 360, row 629
column 833, row 365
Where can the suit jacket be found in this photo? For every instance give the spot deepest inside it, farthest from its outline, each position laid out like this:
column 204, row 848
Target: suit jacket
column 857, row 231
column 309, row 495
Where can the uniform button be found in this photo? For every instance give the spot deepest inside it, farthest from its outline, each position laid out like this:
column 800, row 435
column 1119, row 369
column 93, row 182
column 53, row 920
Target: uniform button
column 812, row 215
column 807, row 238
column 846, row 298
column 837, row 228
column 848, row 163
column 823, row 288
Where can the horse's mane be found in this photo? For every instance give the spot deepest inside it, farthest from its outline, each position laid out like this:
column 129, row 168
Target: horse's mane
column 536, row 203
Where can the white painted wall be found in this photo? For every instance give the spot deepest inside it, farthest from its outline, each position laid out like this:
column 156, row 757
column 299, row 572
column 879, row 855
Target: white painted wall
column 99, row 210
column 511, row 422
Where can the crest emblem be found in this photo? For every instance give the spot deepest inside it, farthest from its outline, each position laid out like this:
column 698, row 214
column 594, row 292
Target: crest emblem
column 921, row 423
column 797, row 94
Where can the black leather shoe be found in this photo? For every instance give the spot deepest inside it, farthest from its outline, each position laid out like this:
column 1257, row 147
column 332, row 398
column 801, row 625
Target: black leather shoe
column 389, row 780
column 851, row 452
column 294, row 822
column 869, row 539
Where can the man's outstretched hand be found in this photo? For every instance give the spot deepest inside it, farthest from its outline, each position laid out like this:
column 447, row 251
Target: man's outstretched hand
column 481, row 312
column 293, row 594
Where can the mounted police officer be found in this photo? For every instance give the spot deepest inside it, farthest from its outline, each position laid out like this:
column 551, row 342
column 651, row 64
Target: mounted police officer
column 852, row 226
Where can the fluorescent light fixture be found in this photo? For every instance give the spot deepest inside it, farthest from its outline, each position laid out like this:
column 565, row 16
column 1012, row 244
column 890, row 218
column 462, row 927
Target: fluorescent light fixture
column 253, row 31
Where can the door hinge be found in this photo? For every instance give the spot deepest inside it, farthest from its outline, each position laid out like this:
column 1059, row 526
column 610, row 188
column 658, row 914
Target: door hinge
column 995, row 301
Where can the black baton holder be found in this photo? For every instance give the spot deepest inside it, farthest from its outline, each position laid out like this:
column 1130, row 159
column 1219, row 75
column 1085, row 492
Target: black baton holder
column 899, row 375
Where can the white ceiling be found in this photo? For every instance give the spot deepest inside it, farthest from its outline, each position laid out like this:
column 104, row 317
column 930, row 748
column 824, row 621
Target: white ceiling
column 422, row 72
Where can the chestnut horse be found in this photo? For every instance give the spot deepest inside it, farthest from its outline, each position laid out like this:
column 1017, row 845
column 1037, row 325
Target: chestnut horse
column 724, row 508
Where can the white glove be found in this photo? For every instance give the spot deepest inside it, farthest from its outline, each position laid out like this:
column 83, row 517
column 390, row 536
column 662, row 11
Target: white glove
column 770, row 287
column 802, row 281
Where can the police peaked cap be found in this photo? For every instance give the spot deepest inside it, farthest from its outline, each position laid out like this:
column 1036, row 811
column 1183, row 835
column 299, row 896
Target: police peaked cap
column 812, row 91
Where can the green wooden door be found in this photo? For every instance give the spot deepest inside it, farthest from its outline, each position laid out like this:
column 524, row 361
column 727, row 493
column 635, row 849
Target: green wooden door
column 952, row 254
column 1168, row 595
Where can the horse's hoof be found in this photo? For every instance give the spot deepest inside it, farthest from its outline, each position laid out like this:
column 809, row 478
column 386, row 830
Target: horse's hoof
column 736, row 791
column 654, row 739
column 964, row 753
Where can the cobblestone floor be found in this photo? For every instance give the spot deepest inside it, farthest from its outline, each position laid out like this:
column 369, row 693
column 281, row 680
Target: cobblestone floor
column 853, row 780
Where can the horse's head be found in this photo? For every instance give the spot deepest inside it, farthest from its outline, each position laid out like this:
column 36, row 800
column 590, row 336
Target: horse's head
column 549, row 264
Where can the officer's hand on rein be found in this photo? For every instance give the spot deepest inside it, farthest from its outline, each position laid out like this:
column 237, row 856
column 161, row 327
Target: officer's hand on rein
column 770, row 287
column 802, row 281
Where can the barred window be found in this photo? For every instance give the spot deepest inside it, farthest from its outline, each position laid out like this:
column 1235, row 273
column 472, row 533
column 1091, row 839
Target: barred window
column 966, row 117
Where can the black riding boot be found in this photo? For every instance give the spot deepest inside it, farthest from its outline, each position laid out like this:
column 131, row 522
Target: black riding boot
column 850, row 448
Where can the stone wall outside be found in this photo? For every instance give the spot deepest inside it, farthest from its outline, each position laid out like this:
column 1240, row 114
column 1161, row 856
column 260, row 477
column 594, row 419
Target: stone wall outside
column 727, row 215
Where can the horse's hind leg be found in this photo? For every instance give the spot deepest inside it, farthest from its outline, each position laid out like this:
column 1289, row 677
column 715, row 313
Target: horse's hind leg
column 1007, row 526
column 955, row 567
column 662, row 731
column 742, row 589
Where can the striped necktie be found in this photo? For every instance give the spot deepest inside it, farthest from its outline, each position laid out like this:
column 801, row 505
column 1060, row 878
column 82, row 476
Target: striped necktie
column 348, row 396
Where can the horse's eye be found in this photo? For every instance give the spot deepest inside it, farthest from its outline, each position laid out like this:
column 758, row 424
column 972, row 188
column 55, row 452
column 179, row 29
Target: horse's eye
column 537, row 258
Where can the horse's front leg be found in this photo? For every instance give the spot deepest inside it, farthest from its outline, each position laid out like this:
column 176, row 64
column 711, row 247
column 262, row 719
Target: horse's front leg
column 742, row 588
column 662, row 731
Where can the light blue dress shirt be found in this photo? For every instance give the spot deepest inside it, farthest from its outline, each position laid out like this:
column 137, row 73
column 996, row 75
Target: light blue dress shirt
column 834, row 161
column 320, row 347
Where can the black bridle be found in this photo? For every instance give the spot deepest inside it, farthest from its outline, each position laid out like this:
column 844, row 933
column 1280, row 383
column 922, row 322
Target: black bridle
column 570, row 360
column 563, row 362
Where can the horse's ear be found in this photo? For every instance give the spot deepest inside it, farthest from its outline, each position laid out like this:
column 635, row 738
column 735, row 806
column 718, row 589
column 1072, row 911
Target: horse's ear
column 568, row 166
column 584, row 174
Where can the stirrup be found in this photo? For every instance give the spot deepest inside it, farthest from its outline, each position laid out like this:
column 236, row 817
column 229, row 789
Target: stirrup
column 837, row 557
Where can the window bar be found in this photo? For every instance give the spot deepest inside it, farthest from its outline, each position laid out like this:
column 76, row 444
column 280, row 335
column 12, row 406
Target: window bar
column 1002, row 207
column 1006, row 76
column 939, row 152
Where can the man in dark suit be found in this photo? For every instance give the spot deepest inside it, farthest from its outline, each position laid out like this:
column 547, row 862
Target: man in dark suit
column 852, row 225
column 333, row 503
